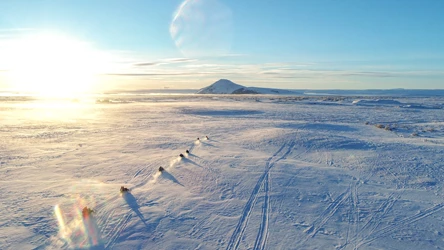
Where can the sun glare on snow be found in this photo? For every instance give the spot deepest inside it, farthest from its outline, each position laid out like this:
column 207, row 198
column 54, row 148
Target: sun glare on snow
column 52, row 65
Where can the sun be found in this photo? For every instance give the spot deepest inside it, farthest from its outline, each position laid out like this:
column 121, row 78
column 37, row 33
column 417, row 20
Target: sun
column 52, row 65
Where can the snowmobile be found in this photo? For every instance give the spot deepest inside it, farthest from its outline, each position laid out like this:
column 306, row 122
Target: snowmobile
column 124, row 189
column 181, row 155
column 187, row 151
column 86, row 212
column 161, row 169
column 207, row 137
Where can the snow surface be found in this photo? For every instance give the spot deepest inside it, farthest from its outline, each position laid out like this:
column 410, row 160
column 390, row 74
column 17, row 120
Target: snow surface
column 276, row 173
column 376, row 102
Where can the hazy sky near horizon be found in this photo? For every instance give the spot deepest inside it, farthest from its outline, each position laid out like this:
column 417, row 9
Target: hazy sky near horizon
column 295, row 44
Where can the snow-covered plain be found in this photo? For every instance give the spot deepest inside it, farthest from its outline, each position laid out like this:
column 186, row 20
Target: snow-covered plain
column 276, row 173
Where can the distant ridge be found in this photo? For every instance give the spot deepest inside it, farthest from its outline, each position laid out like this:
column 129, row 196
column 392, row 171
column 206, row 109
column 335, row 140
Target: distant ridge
column 377, row 92
column 224, row 86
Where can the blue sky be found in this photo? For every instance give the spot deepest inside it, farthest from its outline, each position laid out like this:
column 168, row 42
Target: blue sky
column 310, row 44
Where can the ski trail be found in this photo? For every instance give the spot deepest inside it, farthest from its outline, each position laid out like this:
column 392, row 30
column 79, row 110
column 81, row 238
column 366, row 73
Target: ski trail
column 352, row 214
column 242, row 223
column 137, row 173
column 349, row 218
column 269, row 211
column 262, row 236
column 406, row 221
column 238, row 232
column 263, row 230
column 117, row 230
column 196, row 228
column 385, row 210
column 355, row 209
column 105, row 222
column 107, row 203
column 144, row 176
column 261, row 239
column 374, row 221
column 327, row 214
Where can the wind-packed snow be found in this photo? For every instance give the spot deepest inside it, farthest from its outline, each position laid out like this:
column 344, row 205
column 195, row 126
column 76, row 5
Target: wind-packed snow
column 275, row 173
column 376, row 102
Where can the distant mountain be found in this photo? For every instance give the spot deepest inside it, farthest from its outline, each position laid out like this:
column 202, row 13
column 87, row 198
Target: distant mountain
column 224, row 86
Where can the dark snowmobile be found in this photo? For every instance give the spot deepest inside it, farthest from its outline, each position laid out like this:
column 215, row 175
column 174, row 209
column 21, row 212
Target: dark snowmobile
column 124, row 189
column 161, row 169
column 86, row 212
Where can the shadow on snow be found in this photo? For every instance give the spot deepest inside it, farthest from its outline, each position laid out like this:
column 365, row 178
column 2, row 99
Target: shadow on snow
column 170, row 177
column 132, row 203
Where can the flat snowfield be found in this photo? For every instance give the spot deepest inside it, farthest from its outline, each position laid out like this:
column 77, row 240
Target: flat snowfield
column 274, row 173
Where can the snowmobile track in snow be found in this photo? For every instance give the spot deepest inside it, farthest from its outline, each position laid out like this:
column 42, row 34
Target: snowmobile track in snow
column 262, row 235
column 117, row 230
column 327, row 214
column 404, row 222
column 353, row 214
column 374, row 221
column 261, row 238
